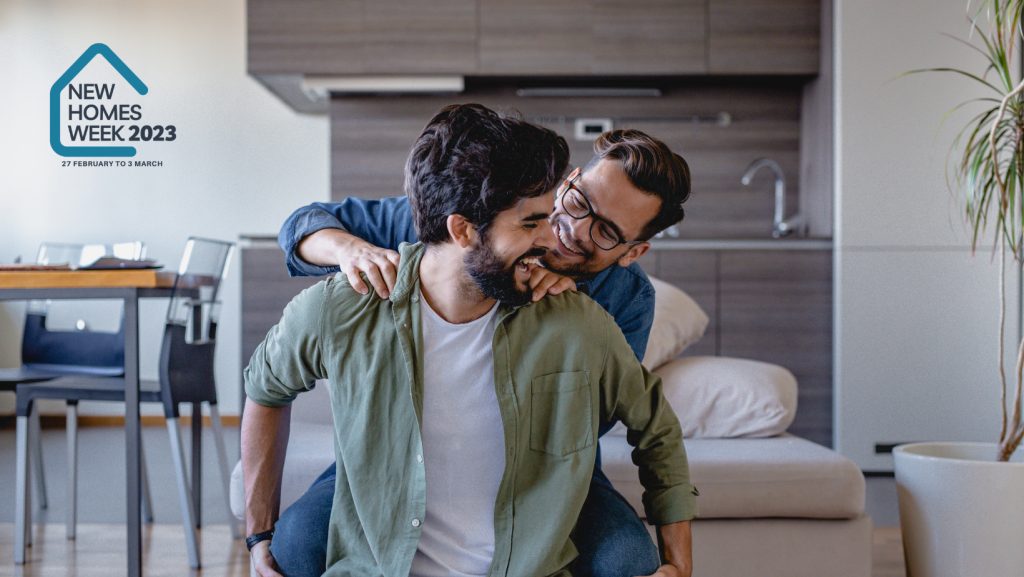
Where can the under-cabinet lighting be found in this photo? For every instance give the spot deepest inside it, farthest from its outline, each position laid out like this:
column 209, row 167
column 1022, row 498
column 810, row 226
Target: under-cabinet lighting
column 576, row 92
column 321, row 87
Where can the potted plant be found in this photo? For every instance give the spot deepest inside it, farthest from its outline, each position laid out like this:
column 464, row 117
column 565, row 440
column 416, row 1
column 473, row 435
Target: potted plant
column 962, row 504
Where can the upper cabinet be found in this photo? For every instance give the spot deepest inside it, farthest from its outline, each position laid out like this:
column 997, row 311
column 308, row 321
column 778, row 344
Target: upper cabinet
column 580, row 37
column 342, row 37
column 295, row 39
column 764, row 36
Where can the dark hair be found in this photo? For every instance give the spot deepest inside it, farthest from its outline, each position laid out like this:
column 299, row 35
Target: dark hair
column 652, row 168
column 472, row 161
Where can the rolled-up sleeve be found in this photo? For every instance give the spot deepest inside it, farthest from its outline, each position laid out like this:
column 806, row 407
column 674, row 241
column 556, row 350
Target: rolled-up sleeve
column 290, row 359
column 634, row 396
column 383, row 222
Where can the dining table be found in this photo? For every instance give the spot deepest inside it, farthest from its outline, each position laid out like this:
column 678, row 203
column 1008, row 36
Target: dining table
column 127, row 285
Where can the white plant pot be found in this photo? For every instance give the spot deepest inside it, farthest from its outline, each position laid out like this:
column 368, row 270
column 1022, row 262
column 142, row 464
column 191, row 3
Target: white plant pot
column 961, row 511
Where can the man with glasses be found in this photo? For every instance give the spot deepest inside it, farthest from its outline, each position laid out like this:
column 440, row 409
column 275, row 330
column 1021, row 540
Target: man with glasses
column 603, row 217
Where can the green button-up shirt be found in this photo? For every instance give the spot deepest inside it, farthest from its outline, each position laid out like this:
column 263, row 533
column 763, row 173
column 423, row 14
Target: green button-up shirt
column 561, row 367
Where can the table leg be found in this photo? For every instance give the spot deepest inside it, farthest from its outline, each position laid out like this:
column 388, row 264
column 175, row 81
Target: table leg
column 132, row 432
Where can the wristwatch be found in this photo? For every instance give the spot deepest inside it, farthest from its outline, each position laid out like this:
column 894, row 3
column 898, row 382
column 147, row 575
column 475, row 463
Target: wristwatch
column 255, row 538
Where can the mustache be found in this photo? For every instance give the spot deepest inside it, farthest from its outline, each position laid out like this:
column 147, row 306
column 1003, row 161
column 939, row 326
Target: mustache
column 536, row 251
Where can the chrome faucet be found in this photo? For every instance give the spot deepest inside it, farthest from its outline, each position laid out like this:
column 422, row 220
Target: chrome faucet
column 780, row 225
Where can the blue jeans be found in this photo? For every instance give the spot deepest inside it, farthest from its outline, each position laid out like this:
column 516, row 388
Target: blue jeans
column 611, row 538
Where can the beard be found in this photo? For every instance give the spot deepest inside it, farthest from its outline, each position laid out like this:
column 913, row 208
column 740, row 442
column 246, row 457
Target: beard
column 493, row 277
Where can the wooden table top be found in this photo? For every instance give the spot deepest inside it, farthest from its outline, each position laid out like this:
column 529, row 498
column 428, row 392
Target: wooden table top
column 144, row 278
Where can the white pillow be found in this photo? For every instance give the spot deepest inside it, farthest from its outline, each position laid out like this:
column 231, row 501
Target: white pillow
column 678, row 323
column 721, row 397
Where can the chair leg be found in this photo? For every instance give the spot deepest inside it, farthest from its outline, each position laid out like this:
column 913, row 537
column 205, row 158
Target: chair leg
column 197, row 461
column 184, row 493
column 147, row 500
column 37, row 448
column 225, row 474
column 72, row 434
column 28, row 490
column 21, row 505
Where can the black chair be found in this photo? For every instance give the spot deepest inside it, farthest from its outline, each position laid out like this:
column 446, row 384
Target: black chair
column 186, row 375
column 49, row 354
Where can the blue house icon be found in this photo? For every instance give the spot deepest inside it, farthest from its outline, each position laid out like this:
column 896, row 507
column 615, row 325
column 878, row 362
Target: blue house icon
column 65, row 79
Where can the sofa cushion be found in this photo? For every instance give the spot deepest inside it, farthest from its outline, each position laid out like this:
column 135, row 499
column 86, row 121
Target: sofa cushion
column 783, row 476
column 722, row 397
column 678, row 323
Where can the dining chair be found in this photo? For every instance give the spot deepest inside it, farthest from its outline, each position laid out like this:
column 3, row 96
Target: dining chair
column 48, row 353
column 186, row 375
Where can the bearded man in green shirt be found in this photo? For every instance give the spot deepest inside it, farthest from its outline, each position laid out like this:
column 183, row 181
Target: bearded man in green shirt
column 466, row 417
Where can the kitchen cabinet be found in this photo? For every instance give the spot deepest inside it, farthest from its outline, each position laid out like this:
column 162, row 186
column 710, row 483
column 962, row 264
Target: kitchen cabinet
column 577, row 37
column 767, row 305
column 533, row 37
column 776, row 306
column 338, row 37
column 696, row 272
column 764, row 36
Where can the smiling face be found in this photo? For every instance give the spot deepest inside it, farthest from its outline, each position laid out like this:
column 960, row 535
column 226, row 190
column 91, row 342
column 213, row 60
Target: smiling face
column 619, row 203
column 502, row 258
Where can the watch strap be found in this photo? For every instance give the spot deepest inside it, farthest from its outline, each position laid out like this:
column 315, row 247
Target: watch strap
column 255, row 538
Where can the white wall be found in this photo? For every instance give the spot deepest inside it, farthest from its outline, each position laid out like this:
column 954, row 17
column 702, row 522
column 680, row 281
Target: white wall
column 242, row 161
column 916, row 314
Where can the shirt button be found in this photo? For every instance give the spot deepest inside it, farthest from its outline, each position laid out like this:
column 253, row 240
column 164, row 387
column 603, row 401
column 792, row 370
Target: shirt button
column 419, row 458
column 415, row 522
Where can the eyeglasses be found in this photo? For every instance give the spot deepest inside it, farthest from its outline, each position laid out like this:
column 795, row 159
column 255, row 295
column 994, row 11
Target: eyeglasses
column 576, row 204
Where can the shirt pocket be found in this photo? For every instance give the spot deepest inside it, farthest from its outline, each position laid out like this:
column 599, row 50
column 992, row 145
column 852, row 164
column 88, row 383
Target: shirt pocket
column 561, row 413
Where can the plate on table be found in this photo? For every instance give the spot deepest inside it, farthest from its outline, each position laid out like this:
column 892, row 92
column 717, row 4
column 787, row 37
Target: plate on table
column 113, row 263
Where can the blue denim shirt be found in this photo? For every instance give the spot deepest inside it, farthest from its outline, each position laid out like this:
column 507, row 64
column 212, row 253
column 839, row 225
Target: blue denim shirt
column 625, row 292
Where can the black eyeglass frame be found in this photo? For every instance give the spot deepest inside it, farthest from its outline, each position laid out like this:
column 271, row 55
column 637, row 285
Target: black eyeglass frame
column 570, row 184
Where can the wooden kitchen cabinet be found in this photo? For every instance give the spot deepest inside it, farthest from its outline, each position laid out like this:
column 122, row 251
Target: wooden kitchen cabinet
column 776, row 306
column 764, row 36
column 577, row 37
column 649, row 37
column 773, row 306
column 533, row 37
column 696, row 273
column 337, row 37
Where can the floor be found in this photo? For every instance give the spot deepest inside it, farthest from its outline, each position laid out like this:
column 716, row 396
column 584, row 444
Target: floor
column 99, row 549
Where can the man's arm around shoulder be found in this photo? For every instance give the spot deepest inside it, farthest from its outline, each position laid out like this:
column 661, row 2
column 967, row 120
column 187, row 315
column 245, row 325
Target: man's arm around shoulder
column 356, row 236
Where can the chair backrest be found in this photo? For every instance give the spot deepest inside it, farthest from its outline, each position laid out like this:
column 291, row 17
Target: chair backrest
column 194, row 302
column 79, row 351
column 190, row 333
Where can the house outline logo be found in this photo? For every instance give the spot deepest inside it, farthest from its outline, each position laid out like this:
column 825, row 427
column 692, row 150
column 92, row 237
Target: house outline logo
column 98, row 49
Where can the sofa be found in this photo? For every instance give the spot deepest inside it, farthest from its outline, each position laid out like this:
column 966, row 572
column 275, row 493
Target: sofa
column 771, row 504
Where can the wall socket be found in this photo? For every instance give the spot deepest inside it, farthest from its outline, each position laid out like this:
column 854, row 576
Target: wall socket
column 591, row 128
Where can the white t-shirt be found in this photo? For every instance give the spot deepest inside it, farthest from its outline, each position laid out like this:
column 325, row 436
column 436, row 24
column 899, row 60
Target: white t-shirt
column 463, row 446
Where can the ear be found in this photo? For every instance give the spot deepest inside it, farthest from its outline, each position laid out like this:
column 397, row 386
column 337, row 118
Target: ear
column 636, row 251
column 461, row 231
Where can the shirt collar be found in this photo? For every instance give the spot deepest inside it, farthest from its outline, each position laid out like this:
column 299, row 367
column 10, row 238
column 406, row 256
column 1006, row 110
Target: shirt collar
column 408, row 271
